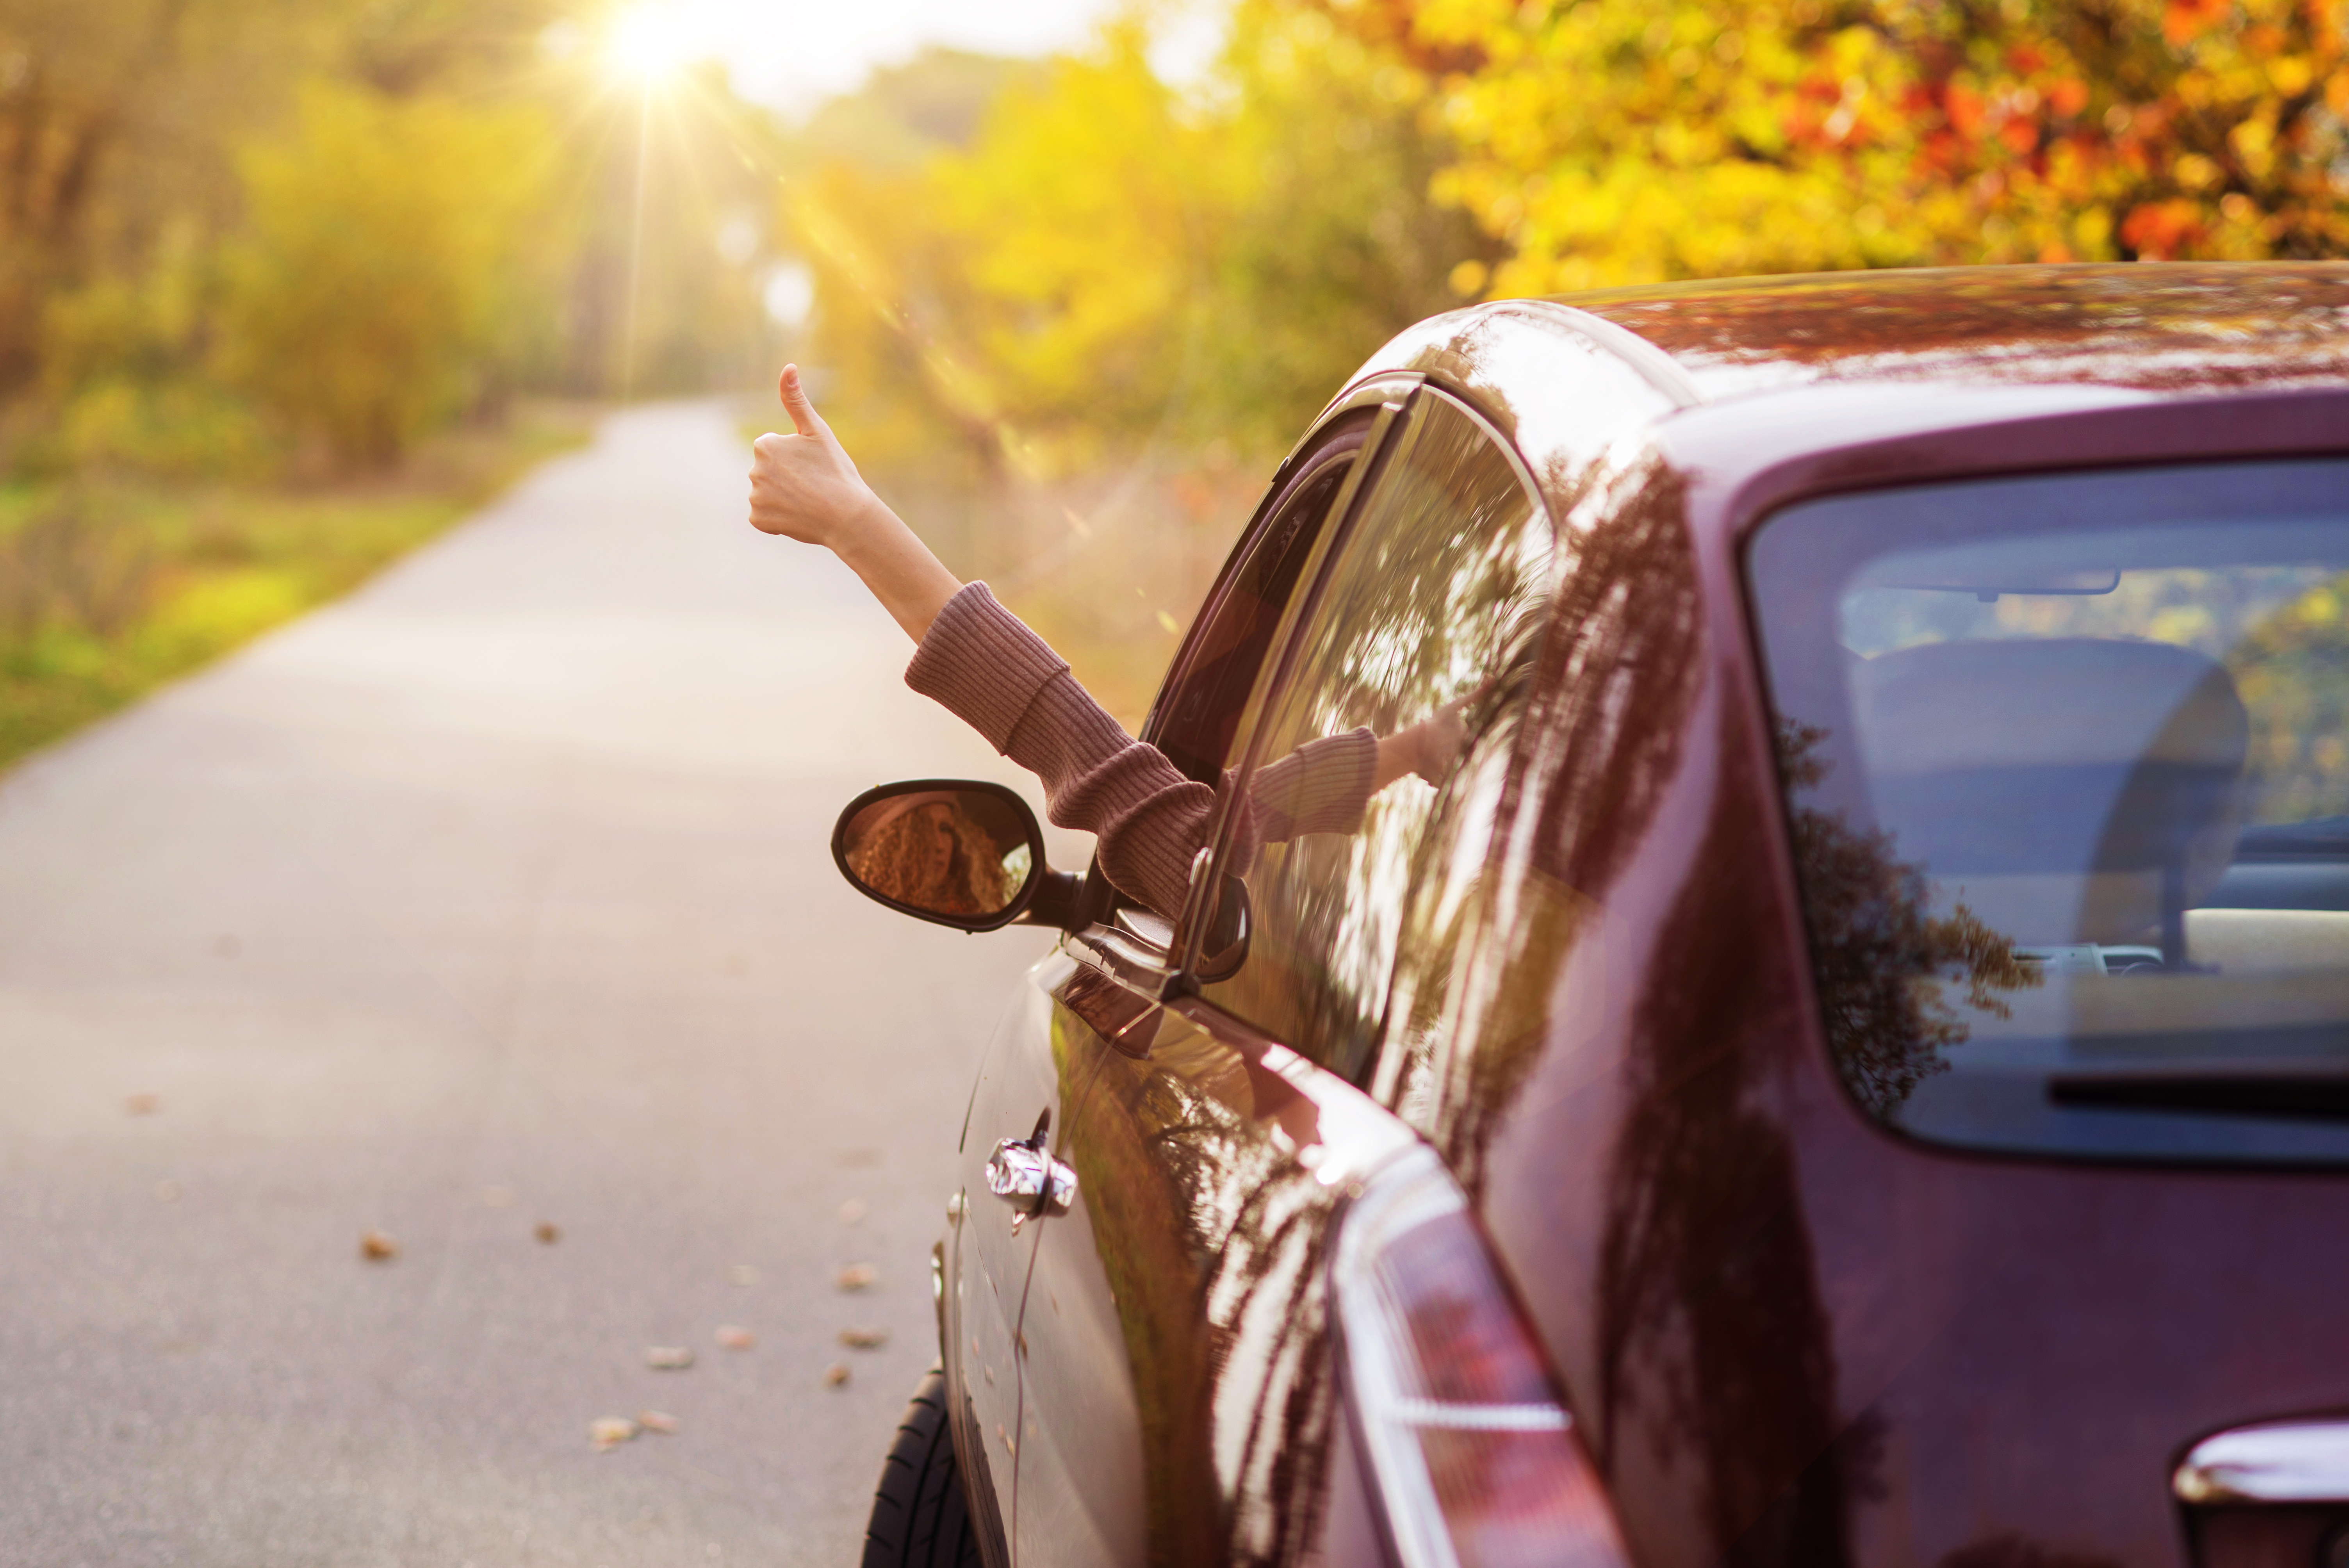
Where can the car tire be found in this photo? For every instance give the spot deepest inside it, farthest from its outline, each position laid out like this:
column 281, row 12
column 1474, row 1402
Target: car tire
column 920, row 1519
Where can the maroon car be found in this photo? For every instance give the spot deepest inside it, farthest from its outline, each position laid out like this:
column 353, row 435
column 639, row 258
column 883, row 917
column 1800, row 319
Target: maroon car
column 1838, row 1053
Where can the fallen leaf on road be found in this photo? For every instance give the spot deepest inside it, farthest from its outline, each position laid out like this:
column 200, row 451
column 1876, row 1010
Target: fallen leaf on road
column 548, row 1233
column 851, row 1212
column 167, row 1190
column 835, row 1375
column 668, row 1357
column 858, row 1276
column 659, row 1421
column 143, row 1104
column 736, row 1338
column 742, row 1275
column 610, row 1431
column 375, row 1246
column 863, row 1338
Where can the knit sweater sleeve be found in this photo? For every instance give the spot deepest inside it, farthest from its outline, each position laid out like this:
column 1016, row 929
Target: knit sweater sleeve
column 986, row 667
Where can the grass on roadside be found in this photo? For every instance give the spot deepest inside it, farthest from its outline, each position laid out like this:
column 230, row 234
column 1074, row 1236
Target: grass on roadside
column 111, row 585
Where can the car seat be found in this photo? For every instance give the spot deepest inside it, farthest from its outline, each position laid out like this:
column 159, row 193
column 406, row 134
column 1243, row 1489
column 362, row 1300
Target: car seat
column 2068, row 790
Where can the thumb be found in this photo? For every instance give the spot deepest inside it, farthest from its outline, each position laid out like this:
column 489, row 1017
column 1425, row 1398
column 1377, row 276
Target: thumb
column 804, row 419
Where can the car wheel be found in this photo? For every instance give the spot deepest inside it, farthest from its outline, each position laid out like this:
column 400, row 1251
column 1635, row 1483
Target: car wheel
column 920, row 1516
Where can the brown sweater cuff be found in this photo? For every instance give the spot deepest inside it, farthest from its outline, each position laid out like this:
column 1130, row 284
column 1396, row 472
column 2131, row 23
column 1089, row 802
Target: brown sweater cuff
column 983, row 664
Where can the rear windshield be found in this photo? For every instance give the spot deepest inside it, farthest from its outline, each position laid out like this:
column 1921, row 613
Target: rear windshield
column 2067, row 771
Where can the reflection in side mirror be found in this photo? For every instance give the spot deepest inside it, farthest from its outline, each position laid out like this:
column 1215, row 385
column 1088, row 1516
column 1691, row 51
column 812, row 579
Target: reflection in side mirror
column 956, row 851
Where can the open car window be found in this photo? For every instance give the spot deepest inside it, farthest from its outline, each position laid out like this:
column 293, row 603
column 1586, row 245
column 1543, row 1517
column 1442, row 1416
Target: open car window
column 1197, row 716
column 2067, row 771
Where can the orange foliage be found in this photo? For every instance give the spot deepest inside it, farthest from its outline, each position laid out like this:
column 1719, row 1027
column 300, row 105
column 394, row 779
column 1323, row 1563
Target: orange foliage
column 1614, row 141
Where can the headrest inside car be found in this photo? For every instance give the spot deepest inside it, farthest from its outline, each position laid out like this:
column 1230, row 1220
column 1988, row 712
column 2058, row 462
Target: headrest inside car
column 2063, row 780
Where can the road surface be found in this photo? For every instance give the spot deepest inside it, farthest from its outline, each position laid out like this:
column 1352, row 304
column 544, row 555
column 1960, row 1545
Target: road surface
column 496, row 896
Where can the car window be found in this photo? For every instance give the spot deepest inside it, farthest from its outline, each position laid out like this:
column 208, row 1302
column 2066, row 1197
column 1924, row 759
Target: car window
column 2067, row 766
column 1402, row 665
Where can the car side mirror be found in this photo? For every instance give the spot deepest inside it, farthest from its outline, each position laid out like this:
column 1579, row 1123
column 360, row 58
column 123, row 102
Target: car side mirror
column 954, row 852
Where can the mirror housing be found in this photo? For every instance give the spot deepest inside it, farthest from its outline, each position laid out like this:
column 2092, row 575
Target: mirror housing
column 954, row 852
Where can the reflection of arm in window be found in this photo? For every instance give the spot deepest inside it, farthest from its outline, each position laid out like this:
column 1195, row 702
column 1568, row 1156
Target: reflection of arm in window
column 1320, row 787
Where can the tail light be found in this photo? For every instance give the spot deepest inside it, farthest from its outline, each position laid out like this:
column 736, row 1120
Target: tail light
column 1475, row 1462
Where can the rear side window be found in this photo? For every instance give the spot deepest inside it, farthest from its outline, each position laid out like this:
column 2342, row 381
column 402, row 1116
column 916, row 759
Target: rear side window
column 2067, row 770
column 1404, row 664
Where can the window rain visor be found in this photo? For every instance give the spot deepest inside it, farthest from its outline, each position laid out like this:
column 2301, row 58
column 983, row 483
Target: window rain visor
column 2067, row 763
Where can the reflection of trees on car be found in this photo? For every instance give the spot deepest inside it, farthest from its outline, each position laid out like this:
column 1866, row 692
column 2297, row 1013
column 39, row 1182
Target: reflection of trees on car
column 1611, row 686
column 2287, row 668
column 1183, row 1185
column 1876, row 953
column 1714, row 1343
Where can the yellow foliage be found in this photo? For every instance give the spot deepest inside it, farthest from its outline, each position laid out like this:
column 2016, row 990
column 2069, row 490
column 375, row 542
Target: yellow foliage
column 1608, row 142
column 379, row 269
column 1109, row 261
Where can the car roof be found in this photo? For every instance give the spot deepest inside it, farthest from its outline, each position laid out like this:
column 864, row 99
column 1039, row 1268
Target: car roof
column 1731, row 379
column 2160, row 327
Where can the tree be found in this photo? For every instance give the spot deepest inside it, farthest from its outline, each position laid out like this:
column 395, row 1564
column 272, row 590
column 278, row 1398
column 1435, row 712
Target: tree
column 380, row 262
column 1613, row 141
column 1105, row 260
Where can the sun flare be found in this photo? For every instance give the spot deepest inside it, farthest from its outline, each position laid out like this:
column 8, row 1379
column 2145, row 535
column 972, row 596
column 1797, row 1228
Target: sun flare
column 648, row 43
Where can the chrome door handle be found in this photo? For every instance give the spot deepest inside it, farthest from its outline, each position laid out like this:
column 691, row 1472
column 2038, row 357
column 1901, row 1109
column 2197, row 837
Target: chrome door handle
column 2276, row 1462
column 1030, row 1180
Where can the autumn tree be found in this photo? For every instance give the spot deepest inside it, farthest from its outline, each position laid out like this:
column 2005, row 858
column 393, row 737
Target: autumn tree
column 381, row 259
column 1614, row 141
column 1097, row 259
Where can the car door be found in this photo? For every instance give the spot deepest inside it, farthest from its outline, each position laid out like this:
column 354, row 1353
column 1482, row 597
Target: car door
column 1177, row 1389
column 984, row 1260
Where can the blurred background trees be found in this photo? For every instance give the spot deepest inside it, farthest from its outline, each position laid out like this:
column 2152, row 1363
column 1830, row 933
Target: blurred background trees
column 1067, row 311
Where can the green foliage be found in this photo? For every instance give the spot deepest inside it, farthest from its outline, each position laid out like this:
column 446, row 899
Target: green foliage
column 122, row 358
column 110, row 586
column 383, row 263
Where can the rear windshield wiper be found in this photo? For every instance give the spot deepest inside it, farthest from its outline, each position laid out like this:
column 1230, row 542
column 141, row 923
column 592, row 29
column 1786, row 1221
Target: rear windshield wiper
column 2301, row 1093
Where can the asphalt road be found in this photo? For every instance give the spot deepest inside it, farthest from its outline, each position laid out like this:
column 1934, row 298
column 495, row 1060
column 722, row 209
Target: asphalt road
column 496, row 895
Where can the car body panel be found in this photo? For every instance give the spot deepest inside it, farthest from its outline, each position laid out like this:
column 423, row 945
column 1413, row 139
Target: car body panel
column 2177, row 328
column 1789, row 1336
column 1172, row 1420
column 989, row 1260
column 1192, row 1249
column 1082, row 1461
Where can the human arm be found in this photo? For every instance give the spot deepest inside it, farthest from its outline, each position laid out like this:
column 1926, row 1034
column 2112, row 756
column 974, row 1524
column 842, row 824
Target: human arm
column 986, row 667
column 804, row 487
column 981, row 663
